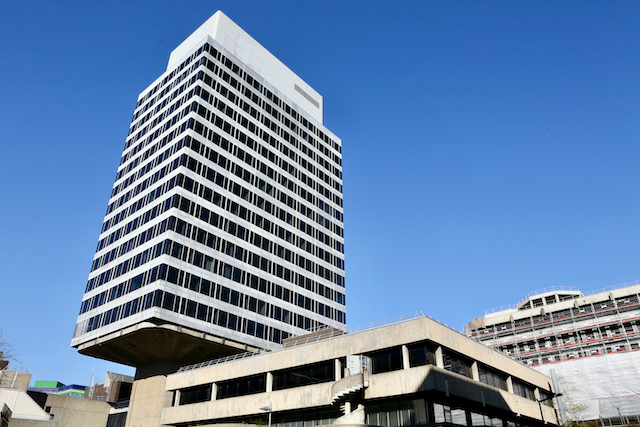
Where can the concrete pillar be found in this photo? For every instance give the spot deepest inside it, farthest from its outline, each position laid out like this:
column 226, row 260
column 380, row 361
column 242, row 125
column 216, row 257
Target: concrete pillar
column 148, row 399
column 474, row 371
column 176, row 399
column 509, row 384
column 405, row 357
column 149, row 395
column 347, row 408
column 214, row 391
column 439, row 358
column 337, row 367
column 269, row 382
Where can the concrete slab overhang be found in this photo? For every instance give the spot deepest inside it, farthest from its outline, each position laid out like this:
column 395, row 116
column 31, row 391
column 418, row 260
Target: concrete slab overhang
column 147, row 343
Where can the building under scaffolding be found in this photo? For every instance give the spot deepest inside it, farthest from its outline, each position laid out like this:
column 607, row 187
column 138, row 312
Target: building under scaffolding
column 589, row 339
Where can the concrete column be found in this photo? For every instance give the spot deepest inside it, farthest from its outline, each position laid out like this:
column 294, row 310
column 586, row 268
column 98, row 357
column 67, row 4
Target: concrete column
column 536, row 393
column 439, row 358
column 148, row 398
column 347, row 408
column 214, row 391
column 149, row 395
column 474, row 371
column 509, row 384
column 337, row 367
column 176, row 400
column 269, row 382
column 405, row 357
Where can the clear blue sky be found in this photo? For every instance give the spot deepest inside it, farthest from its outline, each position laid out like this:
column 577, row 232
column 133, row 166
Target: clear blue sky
column 490, row 148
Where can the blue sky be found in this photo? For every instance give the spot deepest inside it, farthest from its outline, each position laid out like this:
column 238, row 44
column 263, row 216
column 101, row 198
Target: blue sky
column 490, row 148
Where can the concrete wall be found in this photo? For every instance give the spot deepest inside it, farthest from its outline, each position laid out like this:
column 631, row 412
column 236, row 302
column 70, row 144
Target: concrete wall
column 148, row 398
column 78, row 412
column 34, row 423
column 17, row 380
column 22, row 405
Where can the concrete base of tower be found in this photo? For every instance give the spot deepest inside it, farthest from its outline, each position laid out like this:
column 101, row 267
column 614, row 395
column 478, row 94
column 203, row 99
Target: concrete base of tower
column 148, row 394
column 146, row 344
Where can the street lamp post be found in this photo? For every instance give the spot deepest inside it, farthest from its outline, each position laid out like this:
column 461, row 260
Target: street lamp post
column 267, row 409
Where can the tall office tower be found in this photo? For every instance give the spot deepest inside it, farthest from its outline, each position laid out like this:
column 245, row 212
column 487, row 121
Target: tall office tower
column 224, row 230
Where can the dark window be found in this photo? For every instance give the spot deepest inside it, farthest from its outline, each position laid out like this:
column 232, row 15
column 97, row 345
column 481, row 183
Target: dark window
column 524, row 390
column 387, row 360
column 242, row 386
column 456, row 363
column 422, row 354
column 195, row 394
column 492, row 377
column 298, row 377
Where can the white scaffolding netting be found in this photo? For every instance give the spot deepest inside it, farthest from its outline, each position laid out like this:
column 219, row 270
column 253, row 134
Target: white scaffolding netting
column 608, row 384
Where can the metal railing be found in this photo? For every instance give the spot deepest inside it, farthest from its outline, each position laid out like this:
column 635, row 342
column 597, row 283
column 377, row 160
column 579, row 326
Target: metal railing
column 613, row 288
column 561, row 288
column 319, row 337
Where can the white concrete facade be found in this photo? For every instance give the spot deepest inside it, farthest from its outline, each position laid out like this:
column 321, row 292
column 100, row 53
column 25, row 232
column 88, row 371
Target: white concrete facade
column 226, row 214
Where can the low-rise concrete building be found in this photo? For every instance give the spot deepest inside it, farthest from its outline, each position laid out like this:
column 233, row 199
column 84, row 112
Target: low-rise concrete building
column 413, row 372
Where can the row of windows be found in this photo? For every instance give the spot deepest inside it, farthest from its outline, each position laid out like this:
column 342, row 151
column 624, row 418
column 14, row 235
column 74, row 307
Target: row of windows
column 281, row 164
column 211, row 196
column 188, row 207
column 246, row 194
column 126, row 266
column 261, row 118
column 198, row 259
column 161, row 173
column 131, row 244
column 237, row 230
column 219, row 292
column 222, row 181
column 132, row 226
column 567, row 316
column 147, row 153
column 231, row 130
column 214, row 177
column 424, row 354
column 246, row 256
column 238, row 275
column 268, row 108
column 157, row 146
column 159, row 117
column 259, row 133
column 166, row 79
column 124, row 288
column 282, row 380
column 235, row 251
column 162, row 116
column 184, row 306
column 167, row 124
column 136, row 206
column 269, row 95
column 217, row 199
column 145, row 169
